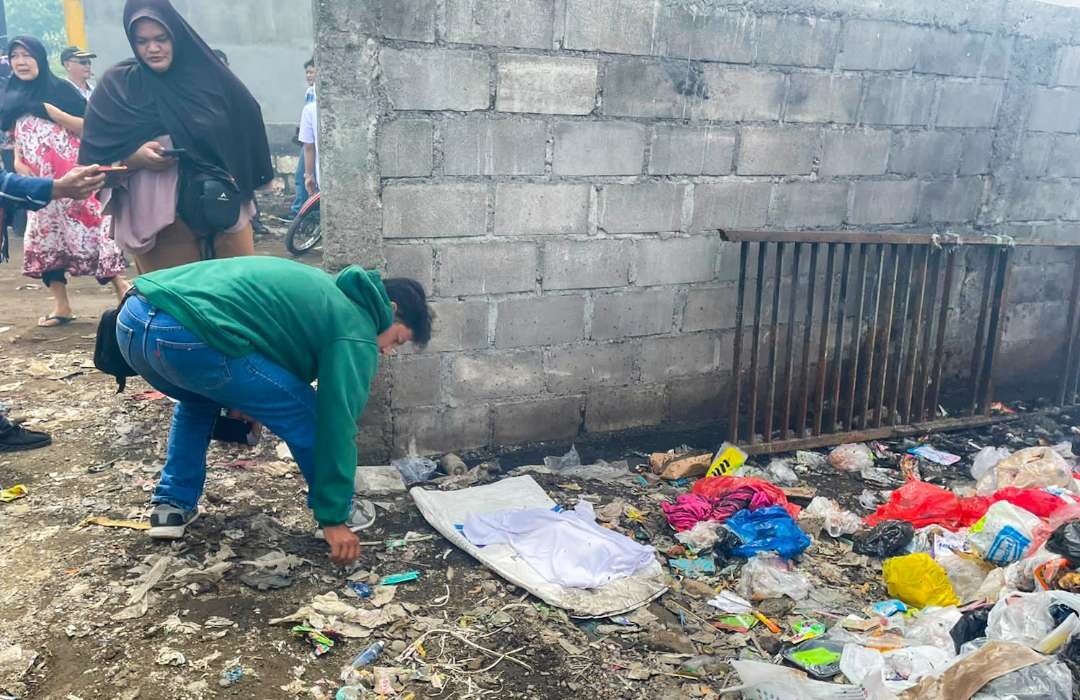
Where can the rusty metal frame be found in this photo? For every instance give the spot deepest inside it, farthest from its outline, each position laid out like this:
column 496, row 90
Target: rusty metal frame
column 876, row 371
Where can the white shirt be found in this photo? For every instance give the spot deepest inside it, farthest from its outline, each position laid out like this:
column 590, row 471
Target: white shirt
column 309, row 131
column 85, row 93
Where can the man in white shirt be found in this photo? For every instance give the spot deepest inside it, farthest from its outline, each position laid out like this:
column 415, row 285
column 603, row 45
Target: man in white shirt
column 78, row 65
column 309, row 136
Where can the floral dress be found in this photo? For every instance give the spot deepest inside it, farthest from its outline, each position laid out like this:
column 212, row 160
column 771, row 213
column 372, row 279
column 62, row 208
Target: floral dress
column 66, row 234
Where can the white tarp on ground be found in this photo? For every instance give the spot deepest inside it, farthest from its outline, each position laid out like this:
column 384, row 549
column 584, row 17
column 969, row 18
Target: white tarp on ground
column 445, row 510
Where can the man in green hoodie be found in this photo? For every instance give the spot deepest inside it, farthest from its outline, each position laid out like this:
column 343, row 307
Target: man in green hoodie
column 251, row 334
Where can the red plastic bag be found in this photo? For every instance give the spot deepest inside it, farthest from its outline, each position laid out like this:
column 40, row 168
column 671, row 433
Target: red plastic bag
column 1035, row 501
column 715, row 487
column 922, row 504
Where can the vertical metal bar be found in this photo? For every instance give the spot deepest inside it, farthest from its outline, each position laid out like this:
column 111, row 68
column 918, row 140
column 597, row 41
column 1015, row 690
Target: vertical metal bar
column 755, row 342
column 943, row 320
column 804, row 401
column 838, row 345
column 924, row 356
column 979, row 353
column 997, row 323
column 856, row 340
column 895, row 278
column 871, row 345
column 774, row 331
column 823, row 344
column 736, row 355
column 1067, row 383
column 901, row 360
column 916, row 336
column 789, row 348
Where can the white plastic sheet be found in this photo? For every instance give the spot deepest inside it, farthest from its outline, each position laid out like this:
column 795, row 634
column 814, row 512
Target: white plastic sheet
column 445, row 510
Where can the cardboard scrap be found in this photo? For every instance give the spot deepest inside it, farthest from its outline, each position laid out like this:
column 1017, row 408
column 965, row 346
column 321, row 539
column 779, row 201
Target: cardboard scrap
column 964, row 678
column 687, row 467
column 113, row 522
column 329, row 611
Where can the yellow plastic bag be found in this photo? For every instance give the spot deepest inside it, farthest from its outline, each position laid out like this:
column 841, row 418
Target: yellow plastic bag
column 9, row 495
column 919, row 581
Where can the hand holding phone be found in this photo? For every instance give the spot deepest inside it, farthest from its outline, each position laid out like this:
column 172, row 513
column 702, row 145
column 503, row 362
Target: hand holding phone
column 112, row 168
column 172, row 152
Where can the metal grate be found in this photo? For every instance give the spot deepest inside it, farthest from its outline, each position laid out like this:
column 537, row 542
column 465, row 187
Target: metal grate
column 860, row 351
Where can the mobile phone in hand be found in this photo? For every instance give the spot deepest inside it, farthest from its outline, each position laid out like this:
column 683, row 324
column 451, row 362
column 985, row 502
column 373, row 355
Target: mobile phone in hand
column 112, row 168
column 173, row 152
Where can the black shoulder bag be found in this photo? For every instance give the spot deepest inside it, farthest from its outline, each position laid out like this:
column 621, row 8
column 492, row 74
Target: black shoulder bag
column 209, row 201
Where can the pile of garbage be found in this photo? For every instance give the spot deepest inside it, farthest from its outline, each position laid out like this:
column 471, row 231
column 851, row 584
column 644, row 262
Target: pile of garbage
column 983, row 580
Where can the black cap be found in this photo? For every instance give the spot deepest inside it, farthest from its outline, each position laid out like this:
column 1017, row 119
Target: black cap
column 75, row 52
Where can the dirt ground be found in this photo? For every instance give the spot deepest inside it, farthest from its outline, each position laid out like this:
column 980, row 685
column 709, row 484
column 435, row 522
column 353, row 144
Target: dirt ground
column 92, row 618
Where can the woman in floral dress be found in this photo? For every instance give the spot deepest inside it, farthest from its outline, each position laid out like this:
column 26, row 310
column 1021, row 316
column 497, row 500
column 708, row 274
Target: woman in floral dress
column 67, row 237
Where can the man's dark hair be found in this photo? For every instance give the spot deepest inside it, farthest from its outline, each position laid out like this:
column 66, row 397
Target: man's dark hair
column 221, row 56
column 310, row 63
column 412, row 308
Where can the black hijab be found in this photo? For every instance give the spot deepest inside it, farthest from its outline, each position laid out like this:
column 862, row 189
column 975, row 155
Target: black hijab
column 22, row 97
column 198, row 101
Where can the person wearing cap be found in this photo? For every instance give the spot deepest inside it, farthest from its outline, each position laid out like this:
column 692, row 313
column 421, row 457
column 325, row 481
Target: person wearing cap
column 77, row 64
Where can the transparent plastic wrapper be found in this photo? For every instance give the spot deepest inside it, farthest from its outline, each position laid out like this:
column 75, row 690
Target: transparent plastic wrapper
column 1045, row 681
column 762, row 681
column 838, row 521
column 780, row 472
column 1020, row 575
column 919, row 581
column 993, row 586
column 702, row 536
column 851, row 457
column 769, row 576
column 932, row 627
column 415, row 469
column 1023, row 618
column 966, row 573
column 1029, row 467
column 1004, row 534
column 906, row 666
column 986, row 459
column 868, row 499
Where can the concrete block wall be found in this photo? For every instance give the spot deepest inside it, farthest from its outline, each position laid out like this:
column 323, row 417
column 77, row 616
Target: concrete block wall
column 557, row 173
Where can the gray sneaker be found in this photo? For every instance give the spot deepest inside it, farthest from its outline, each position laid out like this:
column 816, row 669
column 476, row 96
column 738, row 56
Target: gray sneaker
column 168, row 522
column 361, row 517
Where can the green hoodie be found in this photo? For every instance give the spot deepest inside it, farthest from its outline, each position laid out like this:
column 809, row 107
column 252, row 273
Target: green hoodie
column 314, row 325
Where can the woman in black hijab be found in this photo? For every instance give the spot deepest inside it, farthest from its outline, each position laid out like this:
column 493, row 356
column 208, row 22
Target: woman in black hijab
column 175, row 94
column 45, row 117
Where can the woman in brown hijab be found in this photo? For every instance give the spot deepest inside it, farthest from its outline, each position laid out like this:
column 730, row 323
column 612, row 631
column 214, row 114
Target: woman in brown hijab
column 175, row 115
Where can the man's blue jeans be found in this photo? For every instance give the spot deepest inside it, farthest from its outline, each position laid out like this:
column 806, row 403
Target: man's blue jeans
column 177, row 363
column 301, row 190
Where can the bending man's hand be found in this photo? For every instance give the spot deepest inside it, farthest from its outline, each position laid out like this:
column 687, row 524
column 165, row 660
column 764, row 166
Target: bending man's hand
column 78, row 183
column 344, row 544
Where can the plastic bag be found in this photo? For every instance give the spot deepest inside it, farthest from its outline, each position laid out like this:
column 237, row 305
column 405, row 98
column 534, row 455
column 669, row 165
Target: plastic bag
column 906, row 666
column 966, row 573
column 1020, row 575
column 1047, row 681
column 767, row 530
column 570, row 459
column 923, row 504
column 971, row 625
column 415, row 469
column 986, row 459
column 702, row 536
column 1065, row 540
column 886, row 539
column 919, row 581
column 1037, row 501
column 715, row 487
column 780, row 472
column 1029, row 467
column 1003, row 535
column 768, row 576
column 851, row 457
column 1023, row 618
column 837, row 520
column 932, row 626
